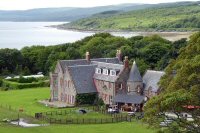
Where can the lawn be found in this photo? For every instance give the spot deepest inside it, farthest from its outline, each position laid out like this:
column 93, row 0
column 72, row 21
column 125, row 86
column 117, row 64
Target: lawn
column 28, row 100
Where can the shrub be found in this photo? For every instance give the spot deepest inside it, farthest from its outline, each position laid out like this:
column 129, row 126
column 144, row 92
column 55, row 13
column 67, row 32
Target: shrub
column 85, row 98
column 9, row 85
column 27, row 80
column 1, row 81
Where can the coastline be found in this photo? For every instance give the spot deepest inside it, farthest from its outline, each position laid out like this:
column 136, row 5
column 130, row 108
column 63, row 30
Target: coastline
column 170, row 35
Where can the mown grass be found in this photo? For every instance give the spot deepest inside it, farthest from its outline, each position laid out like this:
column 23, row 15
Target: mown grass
column 26, row 99
column 125, row 127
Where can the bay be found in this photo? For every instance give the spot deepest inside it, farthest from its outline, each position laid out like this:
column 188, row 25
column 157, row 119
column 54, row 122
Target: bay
column 21, row 34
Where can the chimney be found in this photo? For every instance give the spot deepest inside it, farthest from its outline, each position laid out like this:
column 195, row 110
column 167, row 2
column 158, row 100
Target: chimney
column 87, row 56
column 119, row 55
column 126, row 62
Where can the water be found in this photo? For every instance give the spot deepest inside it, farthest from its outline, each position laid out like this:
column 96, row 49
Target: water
column 21, row 34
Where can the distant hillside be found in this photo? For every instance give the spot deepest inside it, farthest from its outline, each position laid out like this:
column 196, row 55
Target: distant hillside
column 66, row 13
column 182, row 16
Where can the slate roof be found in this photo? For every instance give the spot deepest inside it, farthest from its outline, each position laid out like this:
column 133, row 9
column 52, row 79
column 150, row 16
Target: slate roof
column 151, row 79
column 109, row 66
column 125, row 98
column 65, row 63
column 134, row 75
column 82, row 76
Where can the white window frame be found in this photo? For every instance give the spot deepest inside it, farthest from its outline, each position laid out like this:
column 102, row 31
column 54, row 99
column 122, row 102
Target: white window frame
column 111, row 73
column 105, row 71
column 98, row 70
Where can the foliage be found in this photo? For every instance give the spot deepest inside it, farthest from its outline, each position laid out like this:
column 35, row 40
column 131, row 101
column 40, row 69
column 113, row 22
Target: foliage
column 85, row 99
column 180, row 87
column 9, row 85
column 99, row 102
column 167, row 18
column 151, row 52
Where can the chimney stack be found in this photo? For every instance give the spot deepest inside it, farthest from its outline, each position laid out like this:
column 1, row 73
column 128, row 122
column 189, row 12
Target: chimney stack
column 87, row 56
column 119, row 55
column 126, row 62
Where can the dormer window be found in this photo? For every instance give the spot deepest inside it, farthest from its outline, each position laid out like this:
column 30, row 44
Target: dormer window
column 105, row 71
column 113, row 73
column 98, row 70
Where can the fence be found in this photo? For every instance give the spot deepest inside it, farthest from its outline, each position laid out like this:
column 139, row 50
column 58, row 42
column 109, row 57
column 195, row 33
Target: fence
column 14, row 109
column 86, row 120
column 114, row 118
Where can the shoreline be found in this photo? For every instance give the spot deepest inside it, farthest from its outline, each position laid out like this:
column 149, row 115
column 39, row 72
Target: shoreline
column 59, row 27
column 169, row 35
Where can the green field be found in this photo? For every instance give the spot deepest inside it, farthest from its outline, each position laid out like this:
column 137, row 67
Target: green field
column 28, row 100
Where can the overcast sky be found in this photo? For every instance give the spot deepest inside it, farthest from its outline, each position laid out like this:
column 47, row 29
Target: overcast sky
column 30, row 4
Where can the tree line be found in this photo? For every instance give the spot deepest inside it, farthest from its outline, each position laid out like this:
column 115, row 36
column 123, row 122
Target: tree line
column 151, row 52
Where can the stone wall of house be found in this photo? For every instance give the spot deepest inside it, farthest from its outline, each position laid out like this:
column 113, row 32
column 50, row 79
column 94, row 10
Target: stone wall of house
column 59, row 71
column 121, row 83
column 149, row 93
column 68, row 94
column 105, row 90
column 135, row 87
column 54, row 86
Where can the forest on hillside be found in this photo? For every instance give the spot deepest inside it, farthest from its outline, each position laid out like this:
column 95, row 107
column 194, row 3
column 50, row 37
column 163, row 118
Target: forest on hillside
column 169, row 18
column 151, row 52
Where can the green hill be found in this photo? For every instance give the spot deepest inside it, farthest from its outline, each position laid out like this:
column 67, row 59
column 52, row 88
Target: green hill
column 177, row 17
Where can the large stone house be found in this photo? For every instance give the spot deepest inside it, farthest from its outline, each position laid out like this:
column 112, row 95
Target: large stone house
column 109, row 78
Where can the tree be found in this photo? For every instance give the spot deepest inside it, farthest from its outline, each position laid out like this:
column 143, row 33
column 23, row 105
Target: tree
column 180, row 88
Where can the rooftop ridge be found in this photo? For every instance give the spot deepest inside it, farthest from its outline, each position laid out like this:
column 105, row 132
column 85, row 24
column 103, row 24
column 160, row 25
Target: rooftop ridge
column 82, row 65
column 156, row 71
column 91, row 59
column 107, row 63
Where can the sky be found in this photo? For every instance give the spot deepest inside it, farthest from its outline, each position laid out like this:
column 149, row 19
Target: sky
column 30, row 4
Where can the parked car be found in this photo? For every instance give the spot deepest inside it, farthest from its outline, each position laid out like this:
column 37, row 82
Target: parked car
column 111, row 110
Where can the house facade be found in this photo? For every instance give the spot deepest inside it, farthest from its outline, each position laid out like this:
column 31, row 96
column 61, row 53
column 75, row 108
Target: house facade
column 111, row 79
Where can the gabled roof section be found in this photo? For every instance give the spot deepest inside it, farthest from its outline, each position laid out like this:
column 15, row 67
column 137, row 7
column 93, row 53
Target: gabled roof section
column 108, row 60
column 109, row 66
column 133, row 98
column 82, row 76
column 65, row 63
column 151, row 79
column 134, row 75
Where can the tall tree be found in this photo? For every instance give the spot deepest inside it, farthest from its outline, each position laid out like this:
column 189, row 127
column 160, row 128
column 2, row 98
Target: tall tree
column 180, row 89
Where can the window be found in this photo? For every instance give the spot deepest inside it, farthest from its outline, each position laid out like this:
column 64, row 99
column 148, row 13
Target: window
column 110, row 99
column 98, row 70
column 128, row 89
column 112, row 73
column 120, row 86
column 105, row 71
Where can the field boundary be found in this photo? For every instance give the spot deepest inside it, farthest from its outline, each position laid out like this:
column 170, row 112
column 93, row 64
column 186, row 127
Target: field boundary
column 114, row 118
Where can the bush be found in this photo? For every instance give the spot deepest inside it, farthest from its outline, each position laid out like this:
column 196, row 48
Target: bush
column 85, row 98
column 1, row 81
column 27, row 80
column 9, row 85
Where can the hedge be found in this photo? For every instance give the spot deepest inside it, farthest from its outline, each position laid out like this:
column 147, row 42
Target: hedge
column 9, row 85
